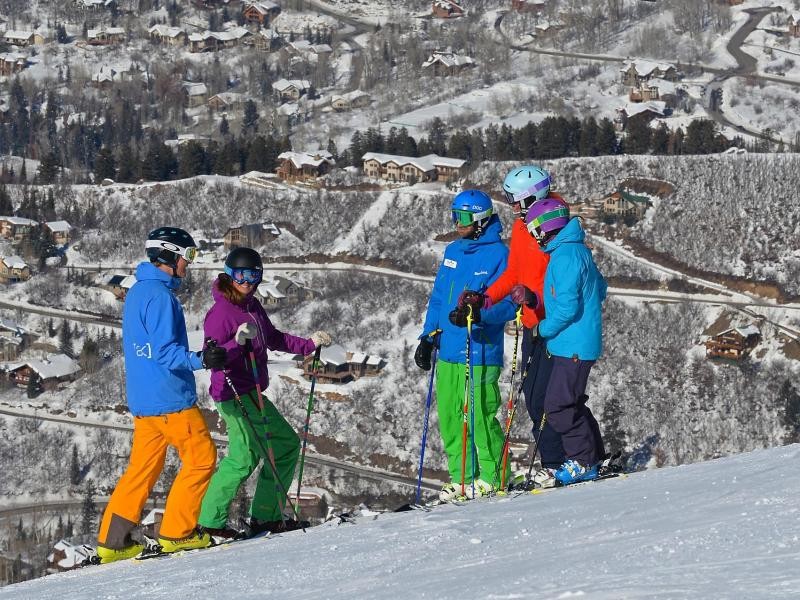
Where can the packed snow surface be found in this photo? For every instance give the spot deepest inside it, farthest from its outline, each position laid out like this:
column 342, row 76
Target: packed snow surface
column 728, row 528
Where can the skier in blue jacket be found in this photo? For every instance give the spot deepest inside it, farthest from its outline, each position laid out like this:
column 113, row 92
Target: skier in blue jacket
column 162, row 398
column 574, row 291
column 472, row 262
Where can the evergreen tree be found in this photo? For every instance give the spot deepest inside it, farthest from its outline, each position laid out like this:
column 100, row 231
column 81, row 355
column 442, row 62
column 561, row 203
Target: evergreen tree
column 127, row 165
column 607, row 138
column 88, row 509
column 105, row 166
column 257, row 158
column 74, row 472
column 60, row 528
column 224, row 126
column 48, row 212
column 701, row 137
column 34, row 387
column 6, row 207
column 250, row 118
column 638, row 137
column 89, row 358
column 191, row 160
column 69, row 529
column 437, row 137
column 660, row 139
column 406, row 145
column 356, row 149
column 587, row 145
column 65, row 339
column 332, row 149
column 789, row 399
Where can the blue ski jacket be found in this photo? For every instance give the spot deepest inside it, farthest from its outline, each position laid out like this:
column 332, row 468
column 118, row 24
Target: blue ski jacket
column 574, row 291
column 158, row 363
column 470, row 265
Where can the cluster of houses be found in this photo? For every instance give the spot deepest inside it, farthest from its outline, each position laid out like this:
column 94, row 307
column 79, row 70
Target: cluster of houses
column 18, row 230
column 337, row 365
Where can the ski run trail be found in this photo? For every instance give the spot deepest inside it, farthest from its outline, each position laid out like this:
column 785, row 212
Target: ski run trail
column 727, row 528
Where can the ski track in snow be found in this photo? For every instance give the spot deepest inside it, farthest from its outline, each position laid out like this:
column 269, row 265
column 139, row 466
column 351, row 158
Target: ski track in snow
column 372, row 216
column 727, row 528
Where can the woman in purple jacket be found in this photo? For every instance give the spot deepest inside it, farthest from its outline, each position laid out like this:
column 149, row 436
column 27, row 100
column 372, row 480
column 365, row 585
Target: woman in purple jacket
column 235, row 319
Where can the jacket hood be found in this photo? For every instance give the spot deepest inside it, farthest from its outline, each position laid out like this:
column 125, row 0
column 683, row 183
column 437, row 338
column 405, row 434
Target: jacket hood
column 220, row 297
column 572, row 233
column 491, row 235
column 148, row 271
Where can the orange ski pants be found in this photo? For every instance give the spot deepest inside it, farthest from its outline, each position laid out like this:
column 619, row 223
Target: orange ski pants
column 187, row 432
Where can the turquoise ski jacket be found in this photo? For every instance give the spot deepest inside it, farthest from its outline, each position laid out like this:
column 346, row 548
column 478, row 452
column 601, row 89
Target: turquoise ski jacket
column 574, row 291
column 470, row 265
column 158, row 363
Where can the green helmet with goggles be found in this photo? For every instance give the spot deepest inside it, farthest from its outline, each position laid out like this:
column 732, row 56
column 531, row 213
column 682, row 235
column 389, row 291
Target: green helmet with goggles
column 472, row 207
column 165, row 244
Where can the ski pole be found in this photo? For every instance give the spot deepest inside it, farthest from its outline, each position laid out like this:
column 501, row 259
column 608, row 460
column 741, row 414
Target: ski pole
column 466, row 405
column 211, row 342
column 536, row 446
column 473, row 450
column 248, row 345
column 512, row 405
column 425, row 420
column 309, row 408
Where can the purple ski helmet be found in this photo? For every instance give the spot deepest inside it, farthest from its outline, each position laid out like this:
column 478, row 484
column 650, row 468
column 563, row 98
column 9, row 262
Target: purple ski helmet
column 546, row 216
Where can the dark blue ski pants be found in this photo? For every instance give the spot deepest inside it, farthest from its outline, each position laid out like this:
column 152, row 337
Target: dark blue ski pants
column 565, row 404
column 534, row 388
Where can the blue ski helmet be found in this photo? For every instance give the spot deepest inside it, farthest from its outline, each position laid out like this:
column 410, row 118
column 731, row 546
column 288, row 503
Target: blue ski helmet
column 472, row 207
column 526, row 185
column 165, row 244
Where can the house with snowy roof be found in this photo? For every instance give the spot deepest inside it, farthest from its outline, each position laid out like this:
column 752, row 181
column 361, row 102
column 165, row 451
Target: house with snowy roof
column 105, row 36
column 391, row 167
column 646, row 111
column 354, row 99
column 118, row 284
column 448, row 63
column 304, row 166
column 267, row 40
column 196, row 94
column 23, row 39
column 12, row 62
column 284, row 290
column 338, row 365
column 14, row 269
column 16, row 228
column 171, row 36
column 625, row 204
column 635, row 72
column 528, row 6
column 13, row 339
column 51, row 371
column 260, row 13
column 735, row 343
column 58, row 231
column 93, row 4
column 67, row 556
column 227, row 100
column 212, row 41
column 793, row 24
column 251, row 236
column 447, row 9
column 290, row 89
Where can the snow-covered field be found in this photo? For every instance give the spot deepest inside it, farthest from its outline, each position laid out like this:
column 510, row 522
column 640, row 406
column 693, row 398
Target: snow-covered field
column 721, row 529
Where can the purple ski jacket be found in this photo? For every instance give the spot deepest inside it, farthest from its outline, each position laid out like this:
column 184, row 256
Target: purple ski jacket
column 221, row 323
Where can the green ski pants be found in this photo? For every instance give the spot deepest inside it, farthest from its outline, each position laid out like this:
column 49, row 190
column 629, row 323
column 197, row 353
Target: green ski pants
column 244, row 454
column 489, row 436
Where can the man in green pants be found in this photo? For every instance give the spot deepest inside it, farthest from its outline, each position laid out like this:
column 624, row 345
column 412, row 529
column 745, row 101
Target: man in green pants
column 471, row 263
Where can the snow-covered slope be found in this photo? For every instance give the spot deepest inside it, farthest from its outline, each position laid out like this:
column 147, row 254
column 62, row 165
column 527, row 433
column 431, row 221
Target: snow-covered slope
column 721, row 529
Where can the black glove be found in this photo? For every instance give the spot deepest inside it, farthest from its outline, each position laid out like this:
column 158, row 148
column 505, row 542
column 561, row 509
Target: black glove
column 422, row 356
column 458, row 316
column 214, row 357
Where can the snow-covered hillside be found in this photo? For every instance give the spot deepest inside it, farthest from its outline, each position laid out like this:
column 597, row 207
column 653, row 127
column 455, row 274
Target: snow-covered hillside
column 720, row 529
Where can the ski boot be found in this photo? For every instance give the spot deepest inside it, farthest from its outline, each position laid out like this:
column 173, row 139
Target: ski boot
column 574, row 472
column 196, row 539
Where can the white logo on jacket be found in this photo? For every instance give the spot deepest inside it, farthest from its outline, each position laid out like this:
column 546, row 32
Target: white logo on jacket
column 143, row 351
column 478, row 273
column 449, row 262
